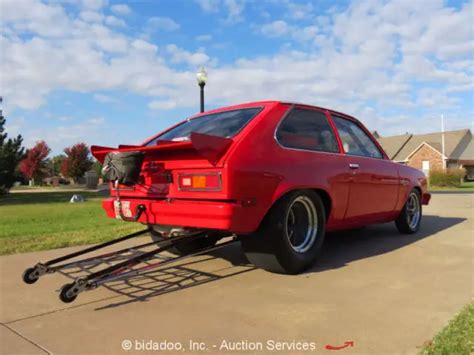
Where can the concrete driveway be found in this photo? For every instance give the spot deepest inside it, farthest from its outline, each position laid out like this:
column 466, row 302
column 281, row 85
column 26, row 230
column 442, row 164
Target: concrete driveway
column 381, row 292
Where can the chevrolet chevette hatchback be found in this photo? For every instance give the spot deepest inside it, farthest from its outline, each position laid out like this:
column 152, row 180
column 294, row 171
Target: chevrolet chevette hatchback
column 278, row 175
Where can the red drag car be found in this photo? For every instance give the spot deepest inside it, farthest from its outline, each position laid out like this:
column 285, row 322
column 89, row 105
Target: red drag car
column 278, row 174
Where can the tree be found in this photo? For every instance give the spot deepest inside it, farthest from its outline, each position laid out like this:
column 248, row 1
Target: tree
column 11, row 153
column 97, row 167
column 77, row 161
column 34, row 165
column 54, row 164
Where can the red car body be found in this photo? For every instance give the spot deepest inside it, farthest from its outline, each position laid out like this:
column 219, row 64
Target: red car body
column 247, row 173
column 275, row 175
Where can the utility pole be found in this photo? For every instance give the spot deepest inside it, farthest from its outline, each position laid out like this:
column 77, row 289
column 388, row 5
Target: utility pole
column 442, row 141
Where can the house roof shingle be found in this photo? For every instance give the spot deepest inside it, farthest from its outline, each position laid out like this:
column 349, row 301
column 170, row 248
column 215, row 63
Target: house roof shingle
column 400, row 147
column 393, row 144
column 468, row 153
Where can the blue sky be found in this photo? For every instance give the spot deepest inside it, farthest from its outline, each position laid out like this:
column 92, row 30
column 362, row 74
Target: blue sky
column 110, row 72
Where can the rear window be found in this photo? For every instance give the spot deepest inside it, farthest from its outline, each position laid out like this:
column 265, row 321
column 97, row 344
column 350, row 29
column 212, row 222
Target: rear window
column 222, row 124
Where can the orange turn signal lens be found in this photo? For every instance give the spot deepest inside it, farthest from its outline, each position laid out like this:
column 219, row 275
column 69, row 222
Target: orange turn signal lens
column 200, row 182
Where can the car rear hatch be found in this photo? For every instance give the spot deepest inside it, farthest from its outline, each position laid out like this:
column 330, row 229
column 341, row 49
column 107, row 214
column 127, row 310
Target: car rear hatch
column 167, row 164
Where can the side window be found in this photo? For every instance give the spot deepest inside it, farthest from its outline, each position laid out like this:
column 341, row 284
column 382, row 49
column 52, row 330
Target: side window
column 307, row 129
column 355, row 140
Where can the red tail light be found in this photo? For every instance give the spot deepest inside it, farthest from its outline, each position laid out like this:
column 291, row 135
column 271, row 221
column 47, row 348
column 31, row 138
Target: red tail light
column 200, row 182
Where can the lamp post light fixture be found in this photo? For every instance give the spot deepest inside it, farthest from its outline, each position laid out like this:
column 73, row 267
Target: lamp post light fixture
column 201, row 77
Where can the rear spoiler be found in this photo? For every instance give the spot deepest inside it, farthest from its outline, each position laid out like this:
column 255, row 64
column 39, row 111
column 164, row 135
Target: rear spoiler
column 208, row 146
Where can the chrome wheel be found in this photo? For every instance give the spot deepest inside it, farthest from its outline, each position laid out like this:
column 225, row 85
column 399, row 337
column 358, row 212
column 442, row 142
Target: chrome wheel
column 302, row 224
column 413, row 210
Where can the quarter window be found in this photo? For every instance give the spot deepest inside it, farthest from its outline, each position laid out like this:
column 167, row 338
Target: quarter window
column 355, row 140
column 307, row 129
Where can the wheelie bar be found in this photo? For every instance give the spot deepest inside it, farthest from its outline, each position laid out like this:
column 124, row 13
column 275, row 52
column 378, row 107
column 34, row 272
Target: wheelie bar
column 123, row 270
column 32, row 274
column 114, row 272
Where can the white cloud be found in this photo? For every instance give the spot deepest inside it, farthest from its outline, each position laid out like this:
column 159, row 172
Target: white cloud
column 161, row 24
column 96, row 121
column 91, row 16
column 14, row 126
column 162, row 104
column 32, row 16
column 232, row 8
column 120, row 9
column 275, row 29
column 94, row 4
column 209, row 5
column 448, row 34
column 429, row 97
column 280, row 28
column 104, row 98
column 300, row 11
column 88, row 131
column 114, row 21
column 368, row 58
column 179, row 55
column 144, row 46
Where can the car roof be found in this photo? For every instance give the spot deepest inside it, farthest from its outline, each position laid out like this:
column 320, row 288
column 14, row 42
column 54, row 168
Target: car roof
column 272, row 103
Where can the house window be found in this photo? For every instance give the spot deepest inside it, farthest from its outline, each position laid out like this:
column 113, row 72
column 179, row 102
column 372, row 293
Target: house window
column 425, row 166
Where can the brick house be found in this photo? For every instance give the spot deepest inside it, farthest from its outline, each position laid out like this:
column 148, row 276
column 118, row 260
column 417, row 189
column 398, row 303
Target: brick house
column 424, row 151
column 466, row 158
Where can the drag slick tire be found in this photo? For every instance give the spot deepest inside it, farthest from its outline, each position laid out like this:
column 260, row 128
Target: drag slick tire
column 291, row 235
column 409, row 220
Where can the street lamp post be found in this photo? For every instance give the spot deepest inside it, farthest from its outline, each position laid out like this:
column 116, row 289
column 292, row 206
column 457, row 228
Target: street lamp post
column 201, row 77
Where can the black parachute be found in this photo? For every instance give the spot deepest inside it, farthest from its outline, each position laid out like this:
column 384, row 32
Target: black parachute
column 123, row 167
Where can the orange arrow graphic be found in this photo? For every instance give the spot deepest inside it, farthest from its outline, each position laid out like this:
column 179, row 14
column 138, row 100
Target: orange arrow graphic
column 346, row 344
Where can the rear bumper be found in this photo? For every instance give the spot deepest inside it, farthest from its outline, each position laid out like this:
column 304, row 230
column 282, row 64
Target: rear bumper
column 196, row 214
column 425, row 199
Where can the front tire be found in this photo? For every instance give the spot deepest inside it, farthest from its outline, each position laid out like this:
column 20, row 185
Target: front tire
column 409, row 220
column 291, row 235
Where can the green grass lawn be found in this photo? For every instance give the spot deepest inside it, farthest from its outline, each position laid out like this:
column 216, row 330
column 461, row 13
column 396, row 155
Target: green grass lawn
column 465, row 186
column 457, row 338
column 48, row 188
column 46, row 220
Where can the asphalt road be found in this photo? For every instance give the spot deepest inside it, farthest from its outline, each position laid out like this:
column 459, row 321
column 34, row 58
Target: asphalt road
column 374, row 291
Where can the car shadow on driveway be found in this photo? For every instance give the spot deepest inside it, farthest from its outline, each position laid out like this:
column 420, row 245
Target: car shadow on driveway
column 340, row 249
column 344, row 247
column 184, row 274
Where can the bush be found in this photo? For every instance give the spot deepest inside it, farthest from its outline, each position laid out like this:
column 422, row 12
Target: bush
column 448, row 177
